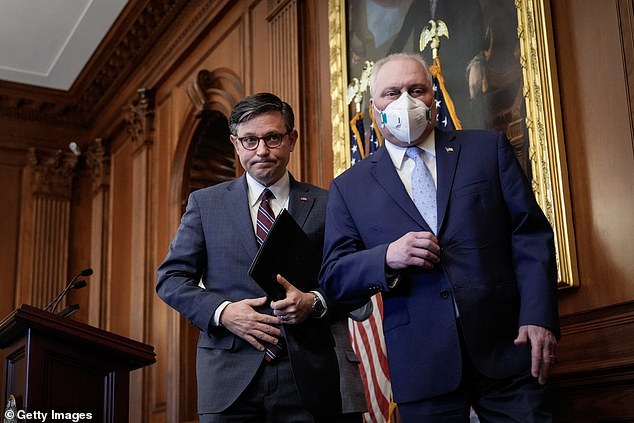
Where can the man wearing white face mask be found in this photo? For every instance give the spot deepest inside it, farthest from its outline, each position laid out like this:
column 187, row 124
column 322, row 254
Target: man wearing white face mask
column 446, row 227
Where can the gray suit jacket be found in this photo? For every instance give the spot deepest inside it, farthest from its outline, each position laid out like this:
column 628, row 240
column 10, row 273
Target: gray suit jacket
column 215, row 245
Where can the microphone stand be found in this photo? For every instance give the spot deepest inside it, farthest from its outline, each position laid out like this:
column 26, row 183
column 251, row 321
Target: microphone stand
column 58, row 298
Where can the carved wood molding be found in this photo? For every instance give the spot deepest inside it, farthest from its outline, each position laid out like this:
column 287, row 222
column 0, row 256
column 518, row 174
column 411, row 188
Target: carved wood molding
column 215, row 90
column 98, row 163
column 52, row 175
column 140, row 118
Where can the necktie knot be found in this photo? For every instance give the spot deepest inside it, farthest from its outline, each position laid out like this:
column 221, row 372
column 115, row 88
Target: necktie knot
column 413, row 153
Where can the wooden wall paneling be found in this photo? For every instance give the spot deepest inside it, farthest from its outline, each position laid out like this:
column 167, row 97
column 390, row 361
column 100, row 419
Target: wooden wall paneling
column 315, row 93
column 594, row 377
column 160, row 373
column 98, row 165
column 11, row 175
column 80, row 237
column 140, row 121
column 284, row 65
column 256, row 56
column 120, row 247
column 597, row 123
column 163, row 396
column 44, row 229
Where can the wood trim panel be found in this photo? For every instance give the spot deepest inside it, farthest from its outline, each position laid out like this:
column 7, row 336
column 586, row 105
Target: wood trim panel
column 594, row 378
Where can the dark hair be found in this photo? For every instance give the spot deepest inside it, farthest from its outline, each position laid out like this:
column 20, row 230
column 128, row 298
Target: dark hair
column 256, row 104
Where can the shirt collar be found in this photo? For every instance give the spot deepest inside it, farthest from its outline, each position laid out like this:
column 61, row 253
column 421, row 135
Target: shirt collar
column 280, row 189
column 397, row 154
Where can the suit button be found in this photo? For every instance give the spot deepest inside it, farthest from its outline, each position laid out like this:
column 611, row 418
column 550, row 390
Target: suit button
column 444, row 294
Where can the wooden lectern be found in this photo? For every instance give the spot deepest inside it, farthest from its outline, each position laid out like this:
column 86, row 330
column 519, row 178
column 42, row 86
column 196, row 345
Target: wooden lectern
column 56, row 365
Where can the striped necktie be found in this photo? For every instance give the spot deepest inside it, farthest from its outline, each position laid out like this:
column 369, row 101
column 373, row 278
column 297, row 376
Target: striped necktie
column 265, row 217
column 264, row 221
column 423, row 188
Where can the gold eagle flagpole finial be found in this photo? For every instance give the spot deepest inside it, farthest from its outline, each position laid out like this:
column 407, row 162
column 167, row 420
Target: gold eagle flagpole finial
column 358, row 86
column 431, row 34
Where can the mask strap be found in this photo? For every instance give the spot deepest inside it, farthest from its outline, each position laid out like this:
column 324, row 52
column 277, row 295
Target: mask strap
column 382, row 114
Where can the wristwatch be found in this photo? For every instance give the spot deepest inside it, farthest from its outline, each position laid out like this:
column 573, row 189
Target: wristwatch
column 319, row 310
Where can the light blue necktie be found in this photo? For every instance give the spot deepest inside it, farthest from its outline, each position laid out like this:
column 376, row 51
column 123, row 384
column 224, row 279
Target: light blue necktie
column 423, row 188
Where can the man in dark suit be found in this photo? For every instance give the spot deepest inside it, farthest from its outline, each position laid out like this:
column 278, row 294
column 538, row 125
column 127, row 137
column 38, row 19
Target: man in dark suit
column 470, row 307
column 258, row 360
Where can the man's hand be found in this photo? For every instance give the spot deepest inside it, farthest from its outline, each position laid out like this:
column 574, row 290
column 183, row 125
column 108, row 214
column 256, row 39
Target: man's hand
column 241, row 319
column 296, row 307
column 543, row 348
column 413, row 249
column 475, row 76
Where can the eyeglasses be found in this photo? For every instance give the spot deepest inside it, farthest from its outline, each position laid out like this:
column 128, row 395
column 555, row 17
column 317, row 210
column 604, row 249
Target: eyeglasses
column 252, row 142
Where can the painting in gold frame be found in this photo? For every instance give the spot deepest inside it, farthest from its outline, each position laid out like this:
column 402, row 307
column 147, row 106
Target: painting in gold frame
column 545, row 151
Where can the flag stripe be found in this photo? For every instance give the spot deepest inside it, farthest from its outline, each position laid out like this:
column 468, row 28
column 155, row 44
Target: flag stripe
column 373, row 375
column 375, row 403
column 368, row 343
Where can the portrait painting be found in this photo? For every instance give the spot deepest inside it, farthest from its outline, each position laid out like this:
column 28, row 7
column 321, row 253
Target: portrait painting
column 479, row 57
column 498, row 65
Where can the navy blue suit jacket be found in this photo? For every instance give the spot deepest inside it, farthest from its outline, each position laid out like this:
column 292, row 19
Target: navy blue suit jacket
column 215, row 244
column 497, row 262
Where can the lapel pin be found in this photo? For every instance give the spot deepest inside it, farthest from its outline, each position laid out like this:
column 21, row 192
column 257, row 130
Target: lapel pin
column 449, row 149
column 303, row 199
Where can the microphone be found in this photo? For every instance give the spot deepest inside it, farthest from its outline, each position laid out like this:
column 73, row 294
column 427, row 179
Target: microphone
column 74, row 283
column 69, row 310
column 78, row 284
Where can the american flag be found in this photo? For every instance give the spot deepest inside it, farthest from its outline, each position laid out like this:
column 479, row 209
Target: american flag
column 376, row 139
column 369, row 345
column 357, row 138
column 446, row 117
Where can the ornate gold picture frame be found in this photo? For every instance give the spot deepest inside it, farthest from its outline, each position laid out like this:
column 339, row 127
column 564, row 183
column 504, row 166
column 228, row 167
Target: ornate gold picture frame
column 546, row 148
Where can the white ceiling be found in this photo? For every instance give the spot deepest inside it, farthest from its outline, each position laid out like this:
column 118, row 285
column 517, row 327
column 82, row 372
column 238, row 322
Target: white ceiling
column 48, row 42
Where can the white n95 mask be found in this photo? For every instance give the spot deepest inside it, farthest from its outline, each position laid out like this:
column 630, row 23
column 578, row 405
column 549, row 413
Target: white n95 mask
column 406, row 118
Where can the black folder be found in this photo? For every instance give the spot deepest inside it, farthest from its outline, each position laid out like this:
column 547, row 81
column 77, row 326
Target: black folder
column 286, row 251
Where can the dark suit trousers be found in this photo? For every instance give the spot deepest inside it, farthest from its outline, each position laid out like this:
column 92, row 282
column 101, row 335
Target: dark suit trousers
column 272, row 396
column 519, row 399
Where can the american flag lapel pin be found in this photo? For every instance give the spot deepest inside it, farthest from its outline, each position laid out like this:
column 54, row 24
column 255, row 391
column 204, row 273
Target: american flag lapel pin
column 449, row 149
column 303, row 198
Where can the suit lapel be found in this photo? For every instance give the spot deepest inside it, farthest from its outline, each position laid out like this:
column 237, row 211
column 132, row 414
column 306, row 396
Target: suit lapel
column 447, row 153
column 237, row 207
column 300, row 202
column 387, row 177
